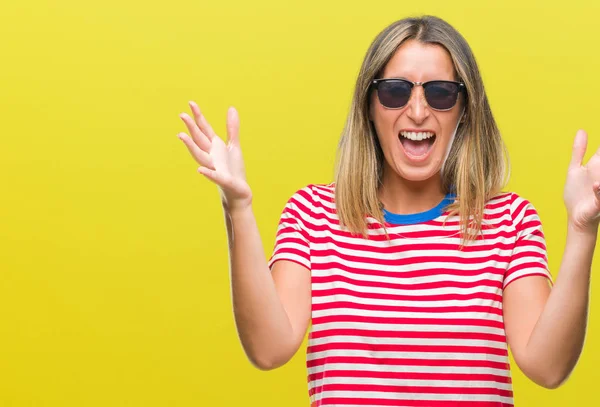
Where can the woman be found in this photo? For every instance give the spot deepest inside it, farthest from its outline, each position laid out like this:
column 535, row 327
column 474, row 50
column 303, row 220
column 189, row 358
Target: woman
column 415, row 270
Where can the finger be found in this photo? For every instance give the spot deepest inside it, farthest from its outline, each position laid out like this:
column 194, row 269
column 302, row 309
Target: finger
column 200, row 156
column 579, row 147
column 197, row 135
column 233, row 126
column 216, row 177
column 201, row 121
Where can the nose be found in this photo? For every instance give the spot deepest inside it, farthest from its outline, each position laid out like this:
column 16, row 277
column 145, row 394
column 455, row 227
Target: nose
column 417, row 108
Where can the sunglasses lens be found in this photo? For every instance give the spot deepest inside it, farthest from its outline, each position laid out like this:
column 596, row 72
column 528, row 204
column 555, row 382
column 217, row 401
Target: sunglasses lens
column 441, row 95
column 393, row 94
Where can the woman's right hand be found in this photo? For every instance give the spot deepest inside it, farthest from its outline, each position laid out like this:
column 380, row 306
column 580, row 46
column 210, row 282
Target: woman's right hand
column 219, row 162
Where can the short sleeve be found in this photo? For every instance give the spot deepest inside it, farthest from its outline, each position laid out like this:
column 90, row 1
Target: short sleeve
column 292, row 241
column 529, row 256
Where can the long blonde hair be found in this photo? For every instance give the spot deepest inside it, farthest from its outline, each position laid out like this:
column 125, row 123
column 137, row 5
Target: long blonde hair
column 477, row 165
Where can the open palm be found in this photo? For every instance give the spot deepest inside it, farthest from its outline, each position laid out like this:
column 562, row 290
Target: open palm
column 221, row 163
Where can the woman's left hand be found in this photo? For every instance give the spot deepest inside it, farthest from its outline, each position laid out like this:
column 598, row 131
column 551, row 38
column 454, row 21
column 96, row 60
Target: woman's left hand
column 582, row 189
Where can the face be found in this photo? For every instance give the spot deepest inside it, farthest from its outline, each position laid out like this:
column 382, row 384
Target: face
column 416, row 160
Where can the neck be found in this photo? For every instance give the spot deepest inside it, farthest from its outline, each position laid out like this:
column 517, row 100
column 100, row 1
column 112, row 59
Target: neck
column 401, row 196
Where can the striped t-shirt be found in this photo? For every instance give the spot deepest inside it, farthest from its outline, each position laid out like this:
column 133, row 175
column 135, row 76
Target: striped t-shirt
column 413, row 320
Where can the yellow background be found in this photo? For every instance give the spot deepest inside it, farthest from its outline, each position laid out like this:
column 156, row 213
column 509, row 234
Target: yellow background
column 114, row 286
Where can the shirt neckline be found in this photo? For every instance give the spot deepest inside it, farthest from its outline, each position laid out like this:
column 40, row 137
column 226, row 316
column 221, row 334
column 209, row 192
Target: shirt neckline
column 420, row 217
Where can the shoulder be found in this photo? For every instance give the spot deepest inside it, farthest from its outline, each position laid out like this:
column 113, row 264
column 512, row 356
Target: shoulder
column 510, row 201
column 315, row 195
column 518, row 210
column 313, row 199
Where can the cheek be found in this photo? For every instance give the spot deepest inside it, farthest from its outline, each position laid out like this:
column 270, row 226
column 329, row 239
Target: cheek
column 449, row 125
column 384, row 133
column 384, row 121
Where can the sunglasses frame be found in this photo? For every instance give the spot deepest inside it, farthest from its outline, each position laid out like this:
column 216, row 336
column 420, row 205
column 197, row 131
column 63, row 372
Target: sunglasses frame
column 375, row 85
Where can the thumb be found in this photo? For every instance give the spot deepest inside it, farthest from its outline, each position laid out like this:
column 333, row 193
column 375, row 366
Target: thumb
column 233, row 126
column 579, row 147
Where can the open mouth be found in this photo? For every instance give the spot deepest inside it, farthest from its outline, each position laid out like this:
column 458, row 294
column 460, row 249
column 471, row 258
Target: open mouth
column 417, row 144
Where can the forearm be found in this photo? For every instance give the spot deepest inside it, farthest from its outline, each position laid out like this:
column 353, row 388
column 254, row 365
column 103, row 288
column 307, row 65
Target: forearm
column 556, row 341
column 261, row 320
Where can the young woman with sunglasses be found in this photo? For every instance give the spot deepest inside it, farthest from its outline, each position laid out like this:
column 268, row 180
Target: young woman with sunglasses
column 415, row 269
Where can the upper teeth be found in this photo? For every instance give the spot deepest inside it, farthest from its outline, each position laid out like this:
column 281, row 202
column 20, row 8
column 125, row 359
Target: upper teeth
column 422, row 135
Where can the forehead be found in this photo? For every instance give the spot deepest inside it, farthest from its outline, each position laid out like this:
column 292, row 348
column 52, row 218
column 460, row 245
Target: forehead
column 420, row 62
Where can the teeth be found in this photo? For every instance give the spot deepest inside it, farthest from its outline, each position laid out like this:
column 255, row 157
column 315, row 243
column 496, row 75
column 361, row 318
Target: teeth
column 416, row 136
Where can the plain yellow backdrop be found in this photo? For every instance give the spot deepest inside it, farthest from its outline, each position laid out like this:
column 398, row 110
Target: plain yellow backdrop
column 114, row 287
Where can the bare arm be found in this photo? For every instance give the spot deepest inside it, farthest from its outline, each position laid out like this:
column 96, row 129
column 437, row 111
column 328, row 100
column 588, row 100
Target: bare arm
column 546, row 328
column 271, row 309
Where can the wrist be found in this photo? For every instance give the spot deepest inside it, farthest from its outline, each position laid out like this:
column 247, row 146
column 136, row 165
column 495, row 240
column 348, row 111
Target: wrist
column 238, row 211
column 588, row 231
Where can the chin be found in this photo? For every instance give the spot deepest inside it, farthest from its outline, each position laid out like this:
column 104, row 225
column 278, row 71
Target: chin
column 417, row 174
column 412, row 171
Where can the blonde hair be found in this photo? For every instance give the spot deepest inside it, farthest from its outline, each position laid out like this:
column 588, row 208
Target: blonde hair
column 477, row 164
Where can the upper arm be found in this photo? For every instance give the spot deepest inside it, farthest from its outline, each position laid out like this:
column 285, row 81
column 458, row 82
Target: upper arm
column 293, row 285
column 527, row 280
column 523, row 301
column 290, row 263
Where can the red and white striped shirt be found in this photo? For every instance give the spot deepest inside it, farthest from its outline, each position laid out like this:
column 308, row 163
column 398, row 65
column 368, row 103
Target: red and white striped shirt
column 413, row 320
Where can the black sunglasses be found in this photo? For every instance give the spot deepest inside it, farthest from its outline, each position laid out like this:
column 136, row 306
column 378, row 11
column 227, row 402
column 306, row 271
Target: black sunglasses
column 394, row 93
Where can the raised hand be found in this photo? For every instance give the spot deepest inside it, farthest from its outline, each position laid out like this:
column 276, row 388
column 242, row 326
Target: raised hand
column 219, row 162
column 582, row 188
